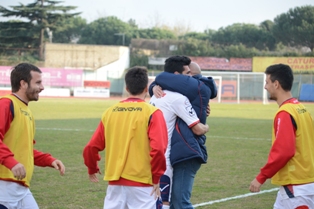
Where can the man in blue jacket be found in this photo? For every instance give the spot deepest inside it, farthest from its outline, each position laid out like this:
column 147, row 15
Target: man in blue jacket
column 188, row 151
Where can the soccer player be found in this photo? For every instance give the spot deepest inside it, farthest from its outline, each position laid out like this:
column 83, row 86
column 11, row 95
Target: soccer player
column 186, row 147
column 17, row 131
column 291, row 159
column 175, row 105
column 134, row 134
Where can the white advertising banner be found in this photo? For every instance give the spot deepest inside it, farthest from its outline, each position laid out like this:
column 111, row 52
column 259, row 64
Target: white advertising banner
column 90, row 92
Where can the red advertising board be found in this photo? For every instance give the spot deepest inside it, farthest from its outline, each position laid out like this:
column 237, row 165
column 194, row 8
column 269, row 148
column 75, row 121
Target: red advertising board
column 97, row 84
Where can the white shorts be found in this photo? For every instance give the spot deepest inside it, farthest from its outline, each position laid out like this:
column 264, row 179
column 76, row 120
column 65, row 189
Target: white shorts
column 122, row 197
column 306, row 201
column 28, row 202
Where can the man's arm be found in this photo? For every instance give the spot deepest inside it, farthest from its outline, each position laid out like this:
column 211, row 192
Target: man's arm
column 210, row 82
column 42, row 159
column 185, row 85
column 158, row 92
column 184, row 110
column 90, row 153
column 281, row 151
column 200, row 129
column 150, row 88
column 45, row 159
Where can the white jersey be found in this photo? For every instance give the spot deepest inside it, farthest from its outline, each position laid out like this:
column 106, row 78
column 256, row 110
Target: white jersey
column 174, row 105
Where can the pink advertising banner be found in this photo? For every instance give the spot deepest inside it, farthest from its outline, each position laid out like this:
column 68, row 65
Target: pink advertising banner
column 53, row 77
column 223, row 64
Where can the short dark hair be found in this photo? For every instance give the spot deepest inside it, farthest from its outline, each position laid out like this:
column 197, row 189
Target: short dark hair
column 176, row 63
column 21, row 72
column 136, row 80
column 282, row 73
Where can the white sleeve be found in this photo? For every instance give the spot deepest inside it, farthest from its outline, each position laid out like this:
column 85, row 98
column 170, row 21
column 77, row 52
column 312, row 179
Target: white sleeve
column 184, row 110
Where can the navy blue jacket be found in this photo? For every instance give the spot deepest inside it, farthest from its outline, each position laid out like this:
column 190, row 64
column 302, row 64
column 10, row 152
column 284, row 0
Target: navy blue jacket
column 185, row 144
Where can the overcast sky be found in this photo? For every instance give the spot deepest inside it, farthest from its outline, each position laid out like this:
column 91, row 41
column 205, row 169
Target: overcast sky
column 197, row 15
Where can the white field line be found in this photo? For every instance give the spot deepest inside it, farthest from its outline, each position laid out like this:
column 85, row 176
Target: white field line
column 235, row 197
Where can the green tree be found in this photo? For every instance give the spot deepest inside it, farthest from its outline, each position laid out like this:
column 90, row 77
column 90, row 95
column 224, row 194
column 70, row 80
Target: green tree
column 296, row 27
column 107, row 31
column 154, row 33
column 42, row 14
column 194, row 47
column 195, row 35
column 16, row 34
column 267, row 25
column 247, row 34
column 239, row 51
column 69, row 30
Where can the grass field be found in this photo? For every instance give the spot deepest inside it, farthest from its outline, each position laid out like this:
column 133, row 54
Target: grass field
column 238, row 143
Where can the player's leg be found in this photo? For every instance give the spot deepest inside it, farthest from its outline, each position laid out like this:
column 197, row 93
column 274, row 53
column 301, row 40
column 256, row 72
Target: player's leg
column 182, row 183
column 115, row 197
column 279, row 202
column 28, row 202
column 165, row 186
column 140, row 197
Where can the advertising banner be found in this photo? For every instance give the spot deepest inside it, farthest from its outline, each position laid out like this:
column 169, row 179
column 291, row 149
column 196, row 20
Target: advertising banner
column 298, row 64
column 223, row 64
column 5, row 72
column 54, row 77
column 97, row 84
column 90, row 92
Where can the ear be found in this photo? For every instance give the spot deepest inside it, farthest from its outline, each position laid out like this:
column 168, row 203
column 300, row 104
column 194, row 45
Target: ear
column 23, row 84
column 146, row 89
column 277, row 84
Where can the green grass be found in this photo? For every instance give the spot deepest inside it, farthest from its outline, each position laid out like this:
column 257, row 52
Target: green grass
column 238, row 143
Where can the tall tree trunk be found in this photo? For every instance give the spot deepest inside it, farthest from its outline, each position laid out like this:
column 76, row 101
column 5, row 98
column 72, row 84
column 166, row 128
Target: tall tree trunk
column 41, row 39
column 41, row 44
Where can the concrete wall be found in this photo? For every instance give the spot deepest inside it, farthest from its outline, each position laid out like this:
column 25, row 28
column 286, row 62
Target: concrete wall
column 81, row 56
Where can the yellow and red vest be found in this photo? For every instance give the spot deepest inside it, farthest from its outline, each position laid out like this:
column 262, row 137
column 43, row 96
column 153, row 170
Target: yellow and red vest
column 127, row 155
column 19, row 139
column 300, row 168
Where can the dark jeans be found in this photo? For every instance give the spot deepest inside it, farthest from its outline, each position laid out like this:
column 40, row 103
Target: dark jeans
column 182, row 183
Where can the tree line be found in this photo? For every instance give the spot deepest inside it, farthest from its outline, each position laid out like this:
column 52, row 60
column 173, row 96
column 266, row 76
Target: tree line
column 289, row 34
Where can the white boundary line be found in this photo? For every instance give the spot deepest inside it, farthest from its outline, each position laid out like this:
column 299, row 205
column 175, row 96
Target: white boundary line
column 235, row 197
